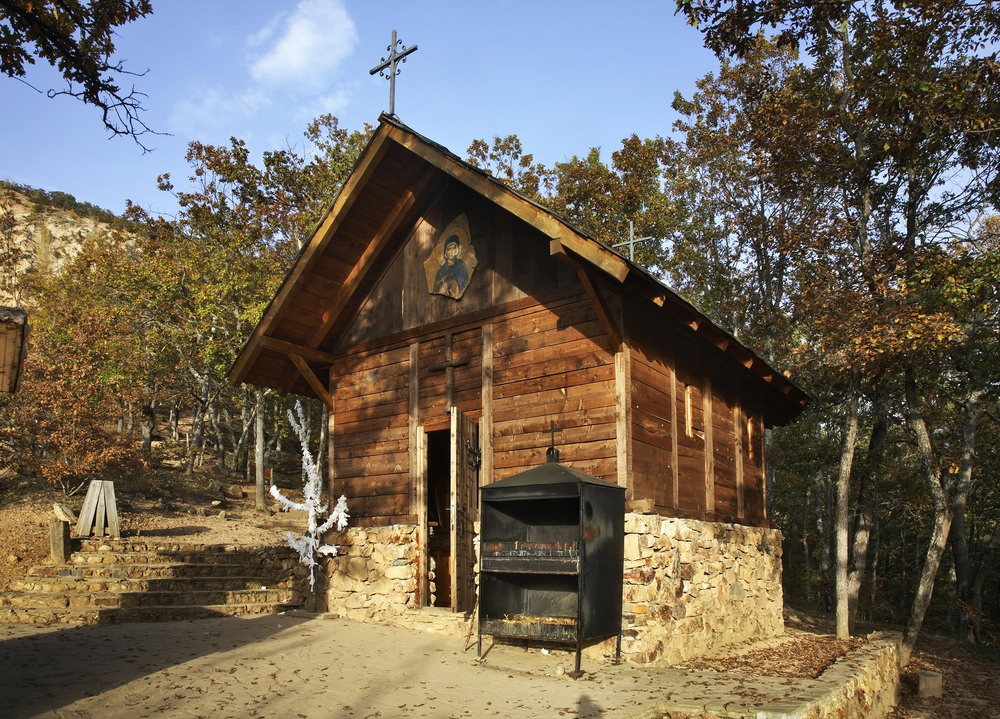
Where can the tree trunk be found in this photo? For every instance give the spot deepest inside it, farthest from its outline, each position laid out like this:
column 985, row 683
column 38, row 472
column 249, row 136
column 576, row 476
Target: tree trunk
column 197, row 424
column 925, row 589
column 939, row 489
column 843, row 510
column 260, row 495
column 824, row 510
column 975, row 601
column 148, row 422
column 859, row 552
column 866, row 506
column 217, row 414
column 250, row 404
column 175, row 413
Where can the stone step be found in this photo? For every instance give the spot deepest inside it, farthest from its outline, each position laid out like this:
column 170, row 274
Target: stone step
column 151, row 571
column 165, row 598
column 112, row 615
column 283, row 559
column 71, row 583
column 131, row 580
column 200, row 597
column 159, row 546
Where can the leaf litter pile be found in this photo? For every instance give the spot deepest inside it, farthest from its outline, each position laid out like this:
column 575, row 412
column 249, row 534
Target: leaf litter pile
column 796, row 654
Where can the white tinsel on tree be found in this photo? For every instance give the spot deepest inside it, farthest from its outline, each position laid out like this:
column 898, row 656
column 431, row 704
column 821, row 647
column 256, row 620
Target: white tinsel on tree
column 309, row 545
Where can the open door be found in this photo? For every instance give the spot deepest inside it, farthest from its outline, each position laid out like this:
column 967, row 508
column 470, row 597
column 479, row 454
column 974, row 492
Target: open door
column 464, row 509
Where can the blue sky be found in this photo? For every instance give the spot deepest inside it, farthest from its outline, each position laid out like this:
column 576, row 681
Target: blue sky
column 563, row 75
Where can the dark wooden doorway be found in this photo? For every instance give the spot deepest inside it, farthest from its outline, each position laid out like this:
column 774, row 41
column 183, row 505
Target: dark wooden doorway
column 451, row 476
column 439, row 514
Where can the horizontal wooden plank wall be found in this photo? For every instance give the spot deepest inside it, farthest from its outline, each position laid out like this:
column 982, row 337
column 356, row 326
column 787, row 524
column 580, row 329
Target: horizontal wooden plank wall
column 698, row 449
column 653, row 425
column 371, row 434
column 549, row 362
column 553, row 363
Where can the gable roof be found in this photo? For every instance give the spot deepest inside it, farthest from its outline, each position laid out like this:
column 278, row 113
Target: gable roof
column 397, row 175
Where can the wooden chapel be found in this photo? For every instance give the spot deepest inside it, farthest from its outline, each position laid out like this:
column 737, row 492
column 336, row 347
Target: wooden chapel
column 456, row 330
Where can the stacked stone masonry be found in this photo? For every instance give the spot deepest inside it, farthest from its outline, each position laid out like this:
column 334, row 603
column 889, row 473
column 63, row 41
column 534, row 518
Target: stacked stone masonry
column 132, row 580
column 689, row 586
column 374, row 574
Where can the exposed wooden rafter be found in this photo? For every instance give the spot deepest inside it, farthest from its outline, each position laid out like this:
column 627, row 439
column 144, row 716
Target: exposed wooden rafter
column 314, row 382
column 601, row 307
column 379, row 240
column 313, row 249
column 596, row 254
column 289, row 348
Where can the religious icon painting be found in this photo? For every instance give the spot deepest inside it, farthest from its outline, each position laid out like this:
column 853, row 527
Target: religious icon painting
column 452, row 261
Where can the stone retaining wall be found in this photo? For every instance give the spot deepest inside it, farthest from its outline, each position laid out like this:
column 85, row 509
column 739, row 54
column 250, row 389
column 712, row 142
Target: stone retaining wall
column 692, row 586
column 689, row 586
column 865, row 684
column 862, row 685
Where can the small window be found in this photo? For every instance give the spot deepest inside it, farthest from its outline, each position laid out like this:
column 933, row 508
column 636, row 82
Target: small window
column 688, row 417
column 750, row 437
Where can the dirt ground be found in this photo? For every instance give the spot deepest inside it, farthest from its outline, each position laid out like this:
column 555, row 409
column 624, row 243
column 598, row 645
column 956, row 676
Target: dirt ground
column 170, row 506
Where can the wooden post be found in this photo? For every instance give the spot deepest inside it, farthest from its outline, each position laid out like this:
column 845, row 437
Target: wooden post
column 59, row 543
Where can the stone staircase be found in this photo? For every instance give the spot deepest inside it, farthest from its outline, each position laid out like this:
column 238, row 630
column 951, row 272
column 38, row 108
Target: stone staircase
column 113, row 580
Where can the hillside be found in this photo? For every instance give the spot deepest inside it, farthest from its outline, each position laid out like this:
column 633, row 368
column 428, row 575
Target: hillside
column 49, row 227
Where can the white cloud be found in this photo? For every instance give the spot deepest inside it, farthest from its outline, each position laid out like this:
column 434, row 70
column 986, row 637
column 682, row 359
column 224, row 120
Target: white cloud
column 308, row 47
column 333, row 103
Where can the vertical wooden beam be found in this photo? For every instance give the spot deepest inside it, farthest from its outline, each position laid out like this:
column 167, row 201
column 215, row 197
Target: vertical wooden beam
column 417, row 484
column 331, row 465
column 486, row 421
column 623, row 416
column 766, row 439
column 417, row 453
column 738, row 438
column 419, row 467
column 675, row 470
column 449, row 372
column 706, row 401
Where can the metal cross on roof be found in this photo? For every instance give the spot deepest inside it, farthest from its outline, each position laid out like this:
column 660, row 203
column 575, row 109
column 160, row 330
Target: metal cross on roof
column 632, row 241
column 389, row 64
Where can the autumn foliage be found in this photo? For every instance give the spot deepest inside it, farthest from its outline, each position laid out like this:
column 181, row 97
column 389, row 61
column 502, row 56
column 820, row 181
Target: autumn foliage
column 829, row 196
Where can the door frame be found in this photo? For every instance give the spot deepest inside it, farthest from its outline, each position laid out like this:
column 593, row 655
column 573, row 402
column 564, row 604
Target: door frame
column 464, row 497
column 463, row 503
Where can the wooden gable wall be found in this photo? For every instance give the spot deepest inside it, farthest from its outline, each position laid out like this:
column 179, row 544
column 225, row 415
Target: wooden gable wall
column 553, row 328
column 526, row 348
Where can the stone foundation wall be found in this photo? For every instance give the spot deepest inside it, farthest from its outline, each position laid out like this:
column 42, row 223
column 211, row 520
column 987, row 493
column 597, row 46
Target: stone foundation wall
column 374, row 575
column 689, row 586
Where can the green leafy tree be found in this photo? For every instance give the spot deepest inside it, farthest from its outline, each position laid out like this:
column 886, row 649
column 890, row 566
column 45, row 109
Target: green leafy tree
column 78, row 377
column 911, row 99
column 506, row 160
column 301, row 187
column 212, row 270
